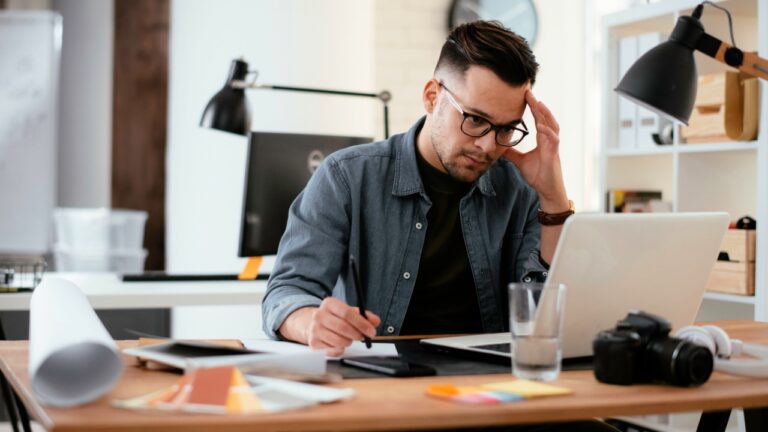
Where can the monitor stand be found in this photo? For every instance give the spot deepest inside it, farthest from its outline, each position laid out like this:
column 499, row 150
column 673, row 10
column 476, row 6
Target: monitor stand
column 251, row 270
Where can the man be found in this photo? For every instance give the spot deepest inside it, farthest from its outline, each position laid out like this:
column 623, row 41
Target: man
column 440, row 219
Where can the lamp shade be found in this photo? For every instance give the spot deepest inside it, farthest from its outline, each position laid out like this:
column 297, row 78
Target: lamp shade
column 663, row 80
column 228, row 110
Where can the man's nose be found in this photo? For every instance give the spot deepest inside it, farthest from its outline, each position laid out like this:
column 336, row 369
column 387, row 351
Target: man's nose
column 487, row 142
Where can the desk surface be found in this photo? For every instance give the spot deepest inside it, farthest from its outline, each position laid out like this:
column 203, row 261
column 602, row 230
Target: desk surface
column 108, row 291
column 398, row 404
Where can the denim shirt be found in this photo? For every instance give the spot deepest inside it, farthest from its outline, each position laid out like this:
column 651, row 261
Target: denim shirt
column 369, row 201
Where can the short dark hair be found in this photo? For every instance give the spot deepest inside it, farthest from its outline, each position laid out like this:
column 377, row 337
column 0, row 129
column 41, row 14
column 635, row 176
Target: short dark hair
column 489, row 44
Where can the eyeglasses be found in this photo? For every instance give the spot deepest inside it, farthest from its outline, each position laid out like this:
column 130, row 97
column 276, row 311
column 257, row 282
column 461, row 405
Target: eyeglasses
column 476, row 126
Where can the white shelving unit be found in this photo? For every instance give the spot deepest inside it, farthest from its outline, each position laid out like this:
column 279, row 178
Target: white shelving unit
column 727, row 176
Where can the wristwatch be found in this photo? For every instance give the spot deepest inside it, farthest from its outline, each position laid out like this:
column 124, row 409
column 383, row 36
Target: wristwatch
column 552, row 219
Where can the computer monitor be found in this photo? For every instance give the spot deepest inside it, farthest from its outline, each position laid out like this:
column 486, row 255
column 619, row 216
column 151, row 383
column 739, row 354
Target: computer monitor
column 279, row 166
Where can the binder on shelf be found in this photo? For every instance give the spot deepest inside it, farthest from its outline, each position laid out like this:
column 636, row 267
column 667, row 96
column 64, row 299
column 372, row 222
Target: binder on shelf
column 627, row 119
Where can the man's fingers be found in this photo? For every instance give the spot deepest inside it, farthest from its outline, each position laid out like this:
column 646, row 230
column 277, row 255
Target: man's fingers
column 530, row 98
column 334, row 340
column 548, row 134
column 338, row 325
column 373, row 318
column 350, row 315
column 550, row 118
column 541, row 112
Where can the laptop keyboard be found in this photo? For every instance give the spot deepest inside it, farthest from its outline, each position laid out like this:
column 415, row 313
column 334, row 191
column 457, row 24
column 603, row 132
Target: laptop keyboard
column 505, row 348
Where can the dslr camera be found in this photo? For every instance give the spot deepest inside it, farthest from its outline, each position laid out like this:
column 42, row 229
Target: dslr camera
column 640, row 350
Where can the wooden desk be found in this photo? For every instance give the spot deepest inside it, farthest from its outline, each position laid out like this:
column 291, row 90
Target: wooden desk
column 398, row 404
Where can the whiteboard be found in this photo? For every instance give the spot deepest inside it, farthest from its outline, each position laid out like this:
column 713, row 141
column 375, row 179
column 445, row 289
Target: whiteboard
column 30, row 47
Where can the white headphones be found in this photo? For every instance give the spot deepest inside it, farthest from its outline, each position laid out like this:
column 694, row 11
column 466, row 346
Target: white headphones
column 723, row 347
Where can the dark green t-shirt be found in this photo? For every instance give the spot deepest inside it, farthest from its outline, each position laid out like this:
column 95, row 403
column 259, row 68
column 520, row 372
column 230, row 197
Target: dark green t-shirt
column 444, row 299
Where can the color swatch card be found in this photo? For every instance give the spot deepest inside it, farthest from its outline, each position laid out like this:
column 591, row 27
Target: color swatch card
column 495, row 393
column 225, row 390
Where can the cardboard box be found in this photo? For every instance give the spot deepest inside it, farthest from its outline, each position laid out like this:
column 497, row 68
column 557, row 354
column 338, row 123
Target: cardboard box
column 737, row 275
column 726, row 109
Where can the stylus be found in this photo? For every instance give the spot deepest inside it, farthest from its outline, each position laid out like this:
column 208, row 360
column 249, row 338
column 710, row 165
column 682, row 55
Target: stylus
column 360, row 294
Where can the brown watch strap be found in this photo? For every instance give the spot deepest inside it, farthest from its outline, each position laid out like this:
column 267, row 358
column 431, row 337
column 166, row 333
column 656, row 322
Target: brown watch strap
column 551, row 219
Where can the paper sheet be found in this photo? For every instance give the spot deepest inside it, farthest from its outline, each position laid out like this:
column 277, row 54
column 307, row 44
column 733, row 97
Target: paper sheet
column 310, row 392
column 72, row 358
column 357, row 349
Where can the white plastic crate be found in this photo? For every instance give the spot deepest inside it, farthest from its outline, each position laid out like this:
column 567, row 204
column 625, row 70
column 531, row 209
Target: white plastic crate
column 99, row 228
column 94, row 260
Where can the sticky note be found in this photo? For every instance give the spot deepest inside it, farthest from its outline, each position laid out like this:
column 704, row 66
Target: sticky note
column 527, row 389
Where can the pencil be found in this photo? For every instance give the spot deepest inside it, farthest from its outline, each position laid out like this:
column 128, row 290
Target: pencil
column 359, row 293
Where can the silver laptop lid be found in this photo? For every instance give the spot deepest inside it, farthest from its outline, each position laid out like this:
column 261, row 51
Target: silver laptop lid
column 614, row 263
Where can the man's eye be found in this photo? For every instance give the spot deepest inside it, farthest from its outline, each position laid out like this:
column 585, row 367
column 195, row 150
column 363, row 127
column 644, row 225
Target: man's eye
column 477, row 121
column 511, row 128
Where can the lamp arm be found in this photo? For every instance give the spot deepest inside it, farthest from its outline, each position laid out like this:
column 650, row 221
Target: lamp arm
column 384, row 96
column 747, row 62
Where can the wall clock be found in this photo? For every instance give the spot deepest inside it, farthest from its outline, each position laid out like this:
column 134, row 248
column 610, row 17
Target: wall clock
column 518, row 15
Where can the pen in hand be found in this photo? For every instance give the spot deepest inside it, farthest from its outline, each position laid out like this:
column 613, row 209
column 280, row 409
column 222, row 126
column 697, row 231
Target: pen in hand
column 359, row 293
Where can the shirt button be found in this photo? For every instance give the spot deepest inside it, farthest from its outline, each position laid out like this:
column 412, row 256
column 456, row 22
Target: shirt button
column 527, row 279
column 390, row 329
column 406, row 275
column 419, row 225
column 544, row 274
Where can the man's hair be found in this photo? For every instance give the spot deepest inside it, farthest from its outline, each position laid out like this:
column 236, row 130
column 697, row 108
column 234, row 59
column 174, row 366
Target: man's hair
column 489, row 44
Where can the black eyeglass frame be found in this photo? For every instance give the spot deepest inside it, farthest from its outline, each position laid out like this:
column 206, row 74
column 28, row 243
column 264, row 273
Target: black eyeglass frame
column 491, row 126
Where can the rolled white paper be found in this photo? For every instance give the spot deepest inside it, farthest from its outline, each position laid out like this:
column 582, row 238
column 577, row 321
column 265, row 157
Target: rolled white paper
column 72, row 358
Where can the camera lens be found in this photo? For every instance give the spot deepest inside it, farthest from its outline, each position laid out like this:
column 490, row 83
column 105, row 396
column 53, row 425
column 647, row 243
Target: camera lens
column 679, row 362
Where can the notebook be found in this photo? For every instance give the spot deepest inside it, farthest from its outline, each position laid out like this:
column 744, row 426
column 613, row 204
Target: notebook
column 614, row 263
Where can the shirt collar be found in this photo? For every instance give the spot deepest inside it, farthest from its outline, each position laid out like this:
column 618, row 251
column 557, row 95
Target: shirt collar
column 407, row 178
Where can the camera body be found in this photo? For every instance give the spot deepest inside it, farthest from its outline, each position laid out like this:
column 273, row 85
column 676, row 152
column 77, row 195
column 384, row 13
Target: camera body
column 640, row 350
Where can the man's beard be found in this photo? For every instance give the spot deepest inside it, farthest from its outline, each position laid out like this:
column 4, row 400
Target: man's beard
column 454, row 170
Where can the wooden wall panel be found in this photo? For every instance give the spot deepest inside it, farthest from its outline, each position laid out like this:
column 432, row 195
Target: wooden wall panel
column 140, row 98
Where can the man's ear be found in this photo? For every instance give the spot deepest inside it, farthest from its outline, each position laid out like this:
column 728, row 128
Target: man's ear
column 429, row 96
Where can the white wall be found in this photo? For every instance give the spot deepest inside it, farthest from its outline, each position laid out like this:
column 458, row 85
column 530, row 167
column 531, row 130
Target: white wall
column 292, row 42
column 408, row 37
column 85, row 103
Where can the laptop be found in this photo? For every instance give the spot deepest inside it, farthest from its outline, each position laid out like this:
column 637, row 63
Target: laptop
column 614, row 263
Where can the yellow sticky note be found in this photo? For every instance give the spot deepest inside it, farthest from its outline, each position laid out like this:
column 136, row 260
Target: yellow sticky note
column 527, row 389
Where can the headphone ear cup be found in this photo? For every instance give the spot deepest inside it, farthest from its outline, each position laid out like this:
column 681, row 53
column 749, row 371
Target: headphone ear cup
column 721, row 339
column 720, row 344
column 699, row 336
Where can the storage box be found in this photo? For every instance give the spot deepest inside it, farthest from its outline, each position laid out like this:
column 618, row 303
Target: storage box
column 94, row 260
column 99, row 228
column 726, row 109
column 737, row 275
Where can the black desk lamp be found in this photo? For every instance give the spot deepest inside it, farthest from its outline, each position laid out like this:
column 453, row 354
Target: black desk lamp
column 228, row 109
column 664, row 79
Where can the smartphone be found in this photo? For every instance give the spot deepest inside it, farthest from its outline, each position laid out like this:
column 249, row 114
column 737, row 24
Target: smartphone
column 393, row 366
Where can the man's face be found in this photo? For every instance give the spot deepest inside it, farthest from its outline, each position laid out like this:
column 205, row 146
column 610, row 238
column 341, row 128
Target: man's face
column 480, row 95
